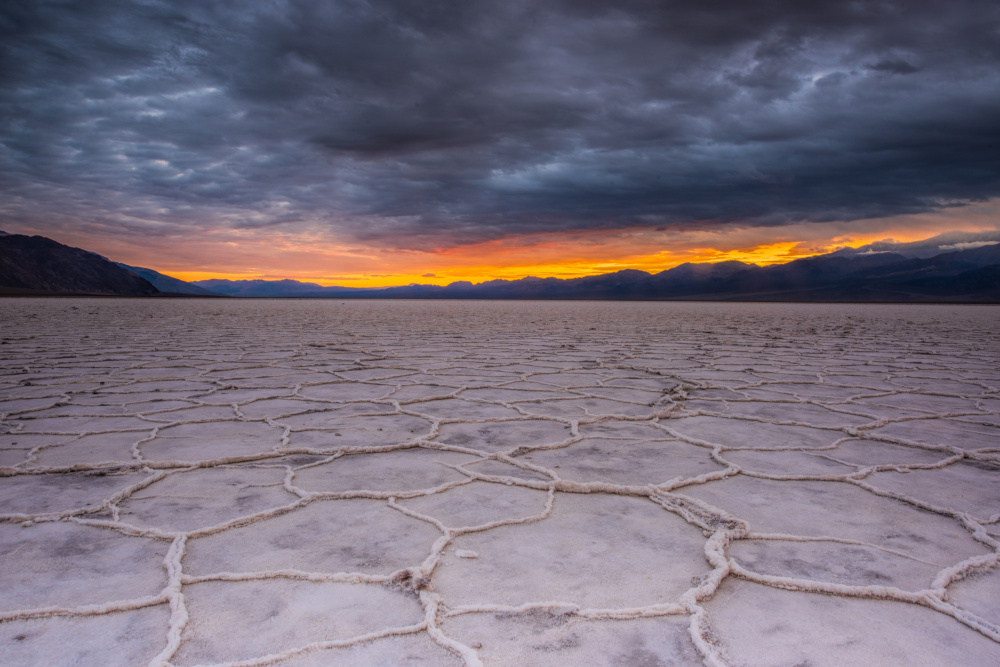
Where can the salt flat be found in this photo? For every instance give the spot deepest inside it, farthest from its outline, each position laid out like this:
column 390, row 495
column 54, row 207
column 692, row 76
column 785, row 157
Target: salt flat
column 224, row 482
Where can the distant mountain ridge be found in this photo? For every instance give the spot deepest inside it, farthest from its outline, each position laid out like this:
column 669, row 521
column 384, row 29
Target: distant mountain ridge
column 265, row 288
column 963, row 276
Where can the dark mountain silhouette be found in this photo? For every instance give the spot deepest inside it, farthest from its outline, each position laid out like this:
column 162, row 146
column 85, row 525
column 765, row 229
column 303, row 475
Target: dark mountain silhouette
column 966, row 276
column 268, row 288
column 167, row 284
column 37, row 265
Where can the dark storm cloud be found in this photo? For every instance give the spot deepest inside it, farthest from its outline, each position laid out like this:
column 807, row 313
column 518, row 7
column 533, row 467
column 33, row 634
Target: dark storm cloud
column 430, row 123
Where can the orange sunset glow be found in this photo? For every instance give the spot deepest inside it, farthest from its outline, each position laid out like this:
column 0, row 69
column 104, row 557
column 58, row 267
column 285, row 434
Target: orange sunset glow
column 477, row 264
column 564, row 255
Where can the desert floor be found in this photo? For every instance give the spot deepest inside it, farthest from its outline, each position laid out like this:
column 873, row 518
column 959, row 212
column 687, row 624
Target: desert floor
column 244, row 482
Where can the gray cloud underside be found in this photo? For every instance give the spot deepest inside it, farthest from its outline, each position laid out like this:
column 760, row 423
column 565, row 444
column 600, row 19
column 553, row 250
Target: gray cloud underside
column 431, row 123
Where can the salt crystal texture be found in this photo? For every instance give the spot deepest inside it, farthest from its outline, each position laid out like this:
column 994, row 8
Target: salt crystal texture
column 315, row 482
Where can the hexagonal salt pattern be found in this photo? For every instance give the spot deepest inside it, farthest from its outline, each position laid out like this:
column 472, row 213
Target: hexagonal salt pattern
column 385, row 483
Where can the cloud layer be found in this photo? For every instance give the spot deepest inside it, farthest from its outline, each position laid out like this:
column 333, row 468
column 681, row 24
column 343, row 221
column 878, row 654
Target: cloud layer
column 434, row 124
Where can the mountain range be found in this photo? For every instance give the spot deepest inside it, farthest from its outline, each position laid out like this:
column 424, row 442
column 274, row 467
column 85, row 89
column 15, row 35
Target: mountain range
column 955, row 267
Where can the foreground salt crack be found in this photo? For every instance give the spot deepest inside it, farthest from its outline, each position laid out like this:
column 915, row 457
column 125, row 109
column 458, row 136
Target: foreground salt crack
column 195, row 482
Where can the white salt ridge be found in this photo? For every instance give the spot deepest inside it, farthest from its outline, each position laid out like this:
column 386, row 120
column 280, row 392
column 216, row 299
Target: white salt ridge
column 611, row 465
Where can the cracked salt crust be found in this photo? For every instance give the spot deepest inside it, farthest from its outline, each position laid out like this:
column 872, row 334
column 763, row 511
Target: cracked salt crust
column 314, row 482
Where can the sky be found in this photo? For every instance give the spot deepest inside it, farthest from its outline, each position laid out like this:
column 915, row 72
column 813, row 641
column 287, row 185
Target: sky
column 389, row 142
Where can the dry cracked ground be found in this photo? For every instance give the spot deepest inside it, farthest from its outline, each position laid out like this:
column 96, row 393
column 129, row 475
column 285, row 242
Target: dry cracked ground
column 224, row 482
